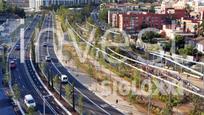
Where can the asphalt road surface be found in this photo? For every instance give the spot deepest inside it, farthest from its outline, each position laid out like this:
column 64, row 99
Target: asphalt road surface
column 25, row 77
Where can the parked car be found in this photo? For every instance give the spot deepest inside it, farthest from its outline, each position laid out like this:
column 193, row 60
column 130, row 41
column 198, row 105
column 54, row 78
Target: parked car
column 29, row 101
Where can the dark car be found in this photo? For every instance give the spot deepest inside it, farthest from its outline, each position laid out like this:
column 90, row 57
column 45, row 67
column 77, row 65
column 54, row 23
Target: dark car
column 44, row 44
column 12, row 64
column 17, row 47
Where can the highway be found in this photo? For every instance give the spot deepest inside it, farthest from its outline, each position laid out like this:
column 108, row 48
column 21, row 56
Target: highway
column 91, row 103
column 26, row 78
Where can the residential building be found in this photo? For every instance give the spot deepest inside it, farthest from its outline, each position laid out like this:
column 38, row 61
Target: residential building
column 19, row 3
column 124, row 6
column 36, row 4
column 176, row 13
column 68, row 2
column 135, row 20
column 190, row 25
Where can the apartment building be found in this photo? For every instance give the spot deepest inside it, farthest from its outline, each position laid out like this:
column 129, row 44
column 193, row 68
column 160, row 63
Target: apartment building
column 19, row 3
column 134, row 21
column 68, row 2
column 36, row 4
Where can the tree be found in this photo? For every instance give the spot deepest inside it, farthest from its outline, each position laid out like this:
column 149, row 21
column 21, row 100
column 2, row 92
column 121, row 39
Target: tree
column 197, row 105
column 98, row 34
column 4, row 58
column 6, row 78
column 90, row 20
column 152, row 9
column 81, row 104
column 201, row 28
column 16, row 91
column 188, row 50
column 90, row 70
column 148, row 37
column 169, row 106
column 182, row 51
column 7, row 8
column 86, row 10
column 56, row 80
column 68, row 91
column 31, row 110
column 33, row 47
column 103, row 15
column 137, row 77
column 179, row 41
column 167, row 46
column 1, row 5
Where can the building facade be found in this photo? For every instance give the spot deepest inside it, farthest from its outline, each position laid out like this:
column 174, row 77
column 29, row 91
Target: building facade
column 134, row 21
column 36, row 4
column 19, row 3
column 68, row 2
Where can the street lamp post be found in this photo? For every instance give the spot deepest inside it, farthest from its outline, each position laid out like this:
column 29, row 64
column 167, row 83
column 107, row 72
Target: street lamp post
column 48, row 77
column 73, row 99
column 52, row 79
column 60, row 89
column 44, row 103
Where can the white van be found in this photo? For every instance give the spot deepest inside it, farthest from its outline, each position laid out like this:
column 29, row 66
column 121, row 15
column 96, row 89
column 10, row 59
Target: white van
column 29, row 101
column 64, row 78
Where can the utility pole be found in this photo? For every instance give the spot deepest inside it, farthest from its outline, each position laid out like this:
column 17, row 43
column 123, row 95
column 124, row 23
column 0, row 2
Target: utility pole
column 48, row 77
column 60, row 89
column 44, row 103
column 52, row 84
column 149, row 97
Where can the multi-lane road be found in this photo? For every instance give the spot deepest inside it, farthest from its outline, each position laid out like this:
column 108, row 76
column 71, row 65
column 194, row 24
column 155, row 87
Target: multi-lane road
column 25, row 76
column 91, row 103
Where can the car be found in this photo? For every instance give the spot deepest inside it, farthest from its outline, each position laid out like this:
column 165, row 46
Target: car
column 17, row 47
column 64, row 78
column 12, row 64
column 178, row 78
column 47, row 58
column 196, row 89
column 44, row 44
column 29, row 101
